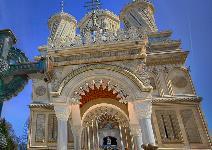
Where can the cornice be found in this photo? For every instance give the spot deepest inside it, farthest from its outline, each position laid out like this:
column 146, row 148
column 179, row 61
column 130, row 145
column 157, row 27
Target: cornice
column 162, row 58
column 175, row 100
column 39, row 105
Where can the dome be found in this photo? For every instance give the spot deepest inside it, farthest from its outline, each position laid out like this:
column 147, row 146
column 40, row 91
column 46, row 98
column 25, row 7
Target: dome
column 139, row 14
column 105, row 19
column 62, row 26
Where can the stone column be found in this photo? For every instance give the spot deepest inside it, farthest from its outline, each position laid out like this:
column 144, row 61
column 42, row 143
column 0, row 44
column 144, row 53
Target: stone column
column 144, row 112
column 135, row 129
column 62, row 113
column 137, row 136
column 77, row 132
column 76, row 126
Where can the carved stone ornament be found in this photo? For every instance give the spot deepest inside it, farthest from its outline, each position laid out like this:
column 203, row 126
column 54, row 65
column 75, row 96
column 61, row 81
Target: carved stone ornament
column 179, row 82
column 62, row 112
column 143, row 109
column 102, row 88
column 40, row 91
column 99, row 38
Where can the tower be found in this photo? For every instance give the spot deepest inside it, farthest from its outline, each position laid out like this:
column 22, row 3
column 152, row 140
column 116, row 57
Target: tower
column 62, row 26
column 105, row 20
column 140, row 14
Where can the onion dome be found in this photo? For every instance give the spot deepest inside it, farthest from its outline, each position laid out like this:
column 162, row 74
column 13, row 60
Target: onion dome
column 140, row 14
column 62, row 26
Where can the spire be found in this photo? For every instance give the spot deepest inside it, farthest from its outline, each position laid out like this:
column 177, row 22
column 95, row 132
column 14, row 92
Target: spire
column 93, row 6
column 62, row 6
column 62, row 25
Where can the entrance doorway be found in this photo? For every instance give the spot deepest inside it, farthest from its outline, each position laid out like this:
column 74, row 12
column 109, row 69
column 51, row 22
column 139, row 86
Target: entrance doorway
column 106, row 127
column 110, row 142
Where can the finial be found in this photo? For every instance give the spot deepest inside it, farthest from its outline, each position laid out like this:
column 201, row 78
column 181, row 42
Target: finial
column 93, row 5
column 62, row 6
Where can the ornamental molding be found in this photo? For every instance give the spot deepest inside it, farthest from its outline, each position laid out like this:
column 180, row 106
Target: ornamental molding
column 177, row 99
column 164, row 68
column 103, row 87
column 49, row 106
column 62, row 112
column 100, row 56
column 99, row 38
column 163, row 58
column 57, row 87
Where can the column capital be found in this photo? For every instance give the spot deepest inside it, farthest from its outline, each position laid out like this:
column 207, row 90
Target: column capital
column 143, row 108
column 62, row 111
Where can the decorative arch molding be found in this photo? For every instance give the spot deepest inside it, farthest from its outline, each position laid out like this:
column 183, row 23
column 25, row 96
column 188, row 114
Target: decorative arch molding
column 95, row 112
column 125, row 79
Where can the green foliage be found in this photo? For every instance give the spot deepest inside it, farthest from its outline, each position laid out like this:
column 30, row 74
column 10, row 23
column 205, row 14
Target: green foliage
column 8, row 132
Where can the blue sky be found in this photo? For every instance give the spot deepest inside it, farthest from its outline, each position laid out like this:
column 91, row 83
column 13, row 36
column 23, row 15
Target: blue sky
column 188, row 19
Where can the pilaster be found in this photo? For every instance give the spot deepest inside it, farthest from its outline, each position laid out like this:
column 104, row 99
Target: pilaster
column 62, row 112
column 144, row 111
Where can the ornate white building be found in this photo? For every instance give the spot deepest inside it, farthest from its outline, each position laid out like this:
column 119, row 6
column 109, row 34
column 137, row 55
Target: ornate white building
column 113, row 87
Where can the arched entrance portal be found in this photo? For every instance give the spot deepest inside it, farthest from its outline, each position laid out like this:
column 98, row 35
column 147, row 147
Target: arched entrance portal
column 106, row 126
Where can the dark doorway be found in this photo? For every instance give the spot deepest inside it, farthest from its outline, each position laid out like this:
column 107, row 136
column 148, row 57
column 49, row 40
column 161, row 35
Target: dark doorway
column 110, row 143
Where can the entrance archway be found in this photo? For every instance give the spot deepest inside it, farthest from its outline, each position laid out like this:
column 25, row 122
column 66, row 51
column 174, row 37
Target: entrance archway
column 106, row 126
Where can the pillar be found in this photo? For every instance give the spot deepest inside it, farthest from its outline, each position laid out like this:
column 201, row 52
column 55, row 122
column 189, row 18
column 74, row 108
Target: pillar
column 77, row 132
column 76, row 126
column 137, row 136
column 135, row 128
column 62, row 113
column 144, row 112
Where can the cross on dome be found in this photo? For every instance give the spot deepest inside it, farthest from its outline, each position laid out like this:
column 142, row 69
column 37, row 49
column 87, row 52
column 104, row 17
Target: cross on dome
column 62, row 6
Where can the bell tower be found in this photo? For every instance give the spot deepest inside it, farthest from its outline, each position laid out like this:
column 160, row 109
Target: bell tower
column 140, row 14
column 62, row 26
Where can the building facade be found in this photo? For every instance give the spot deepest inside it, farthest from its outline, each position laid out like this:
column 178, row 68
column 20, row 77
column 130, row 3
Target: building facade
column 113, row 88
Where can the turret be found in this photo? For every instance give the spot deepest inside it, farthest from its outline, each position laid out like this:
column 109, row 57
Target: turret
column 102, row 19
column 139, row 14
column 62, row 26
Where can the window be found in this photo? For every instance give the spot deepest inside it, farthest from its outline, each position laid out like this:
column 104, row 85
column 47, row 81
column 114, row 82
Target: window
column 168, row 126
column 190, row 126
column 52, row 128
column 40, row 128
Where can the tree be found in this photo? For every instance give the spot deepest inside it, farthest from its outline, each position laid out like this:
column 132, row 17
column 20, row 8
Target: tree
column 24, row 138
column 7, row 131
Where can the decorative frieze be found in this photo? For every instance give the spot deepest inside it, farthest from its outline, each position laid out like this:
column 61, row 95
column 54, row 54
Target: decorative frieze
column 62, row 112
column 98, row 56
column 124, row 71
column 102, row 88
column 133, row 34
